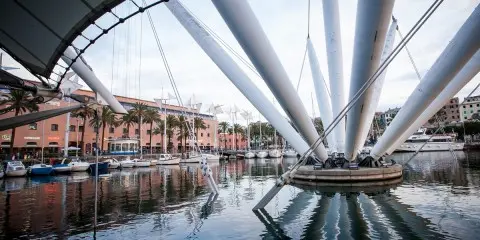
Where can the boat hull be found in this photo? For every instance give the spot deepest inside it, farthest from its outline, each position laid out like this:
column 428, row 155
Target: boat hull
column 80, row 167
column 195, row 159
column 127, row 164
column 41, row 171
column 142, row 164
column 261, row 154
column 249, row 155
column 61, row 168
column 274, row 154
column 430, row 147
column 16, row 173
column 153, row 162
column 173, row 161
column 212, row 157
column 113, row 165
column 1, row 174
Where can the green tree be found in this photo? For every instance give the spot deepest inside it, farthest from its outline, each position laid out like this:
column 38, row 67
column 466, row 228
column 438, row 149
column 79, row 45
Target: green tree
column 182, row 131
column 223, row 127
column 19, row 102
column 199, row 124
column 317, row 122
column 172, row 124
column 159, row 130
column 239, row 130
column 107, row 118
column 151, row 117
column 129, row 120
column 84, row 113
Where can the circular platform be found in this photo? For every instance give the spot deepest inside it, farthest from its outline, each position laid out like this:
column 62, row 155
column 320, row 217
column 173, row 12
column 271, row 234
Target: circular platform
column 338, row 175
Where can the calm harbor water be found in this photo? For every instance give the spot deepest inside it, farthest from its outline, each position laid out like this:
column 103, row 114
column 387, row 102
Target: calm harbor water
column 439, row 198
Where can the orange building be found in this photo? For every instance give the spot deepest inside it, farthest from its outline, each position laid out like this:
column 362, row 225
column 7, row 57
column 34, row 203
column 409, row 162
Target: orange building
column 29, row 140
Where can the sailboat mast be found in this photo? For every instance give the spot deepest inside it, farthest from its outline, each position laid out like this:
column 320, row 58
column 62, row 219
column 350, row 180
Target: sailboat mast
column 260, row 121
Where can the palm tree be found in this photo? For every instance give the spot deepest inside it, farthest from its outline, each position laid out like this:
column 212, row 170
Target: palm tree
column 84, row 113
column 224, row 126
column 238, row 130
column 151, row 116
column 199, row 124
column 20, row 102
column 139, row 109
column 128, row 120
column 107, row 118
column 172, row 123
column 182, row 131
column 159, row 130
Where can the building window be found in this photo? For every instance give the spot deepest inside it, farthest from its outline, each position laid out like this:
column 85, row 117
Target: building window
column 471, row 105
column 464, row 106
column 201, row 134
column 148, row 132
column 125, row 131
column 464, row 112
column 54, row 127
column 208, row 134
column 32, row 126
column 80, row 128
column 444, row 107
column 471, row 111
column 137, row 131
column 465, row 117
column 478, row 105
column 72, row 128
column 111, row 130
column 457, row 111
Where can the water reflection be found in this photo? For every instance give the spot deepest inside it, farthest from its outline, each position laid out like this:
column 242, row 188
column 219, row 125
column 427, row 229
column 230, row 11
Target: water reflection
column 438, row 198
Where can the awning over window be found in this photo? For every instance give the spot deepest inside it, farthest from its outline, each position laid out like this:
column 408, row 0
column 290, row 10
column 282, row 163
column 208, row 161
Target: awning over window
column 36, row 33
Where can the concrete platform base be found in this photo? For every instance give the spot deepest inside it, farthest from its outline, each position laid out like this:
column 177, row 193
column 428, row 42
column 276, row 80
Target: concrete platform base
column 338, row 175
column 371, row 187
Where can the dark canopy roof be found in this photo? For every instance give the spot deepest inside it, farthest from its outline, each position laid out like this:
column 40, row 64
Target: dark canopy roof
column 36, row 32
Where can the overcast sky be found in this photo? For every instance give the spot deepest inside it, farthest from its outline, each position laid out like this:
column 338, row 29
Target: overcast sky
column 285, row 23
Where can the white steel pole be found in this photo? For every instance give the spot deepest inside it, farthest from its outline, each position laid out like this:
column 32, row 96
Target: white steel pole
column 459, row 81
column 322, row 93
column 247, row 30
column 333, row 41
column 378, row 84
column 458, row 52
column 370, row 33
column 165, row 129
column 77, row 130
column 84, row 72
column 67, row 132
column 237, row 76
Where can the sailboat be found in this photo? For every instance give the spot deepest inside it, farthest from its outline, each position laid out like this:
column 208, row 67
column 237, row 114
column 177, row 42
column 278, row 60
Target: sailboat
column 62, row 167
column 275, row 153
column 77, row 165
column 247, row 116
column 261, row 153
column 40, row 169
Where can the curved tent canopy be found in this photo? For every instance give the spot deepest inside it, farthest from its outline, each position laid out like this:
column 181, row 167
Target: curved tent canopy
column 36, row 33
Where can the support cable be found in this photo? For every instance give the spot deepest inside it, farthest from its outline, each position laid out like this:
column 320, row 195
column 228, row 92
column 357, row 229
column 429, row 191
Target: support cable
column 306, row 46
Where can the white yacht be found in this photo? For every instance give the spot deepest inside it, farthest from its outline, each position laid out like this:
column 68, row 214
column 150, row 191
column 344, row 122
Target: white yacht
column 435, row 144
column 212, row 157
column 167, row 159
column 249, row 155
column 77, row 165
column 261, row 154
column 290, row 153
column 127, row 163
column 112, row 163
column 192, row 157
column 275, row 153
column 153, row 162
column 15, row 169
column 141, row 162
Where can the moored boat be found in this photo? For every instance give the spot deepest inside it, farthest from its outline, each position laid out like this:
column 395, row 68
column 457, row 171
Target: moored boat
column 141, row 163
column 261, row 154
column 112, row 163
column 127, row 163
column 102, row 168
column 274, row 153
column 167, row 159
column 77, row 165
column 436, row 143
column 290, row 153
column 15, row 169
column 191, row 158
column 40, row 169
column 249, row 155
column 62, row 167
column 213, row 157
column 153, row 162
